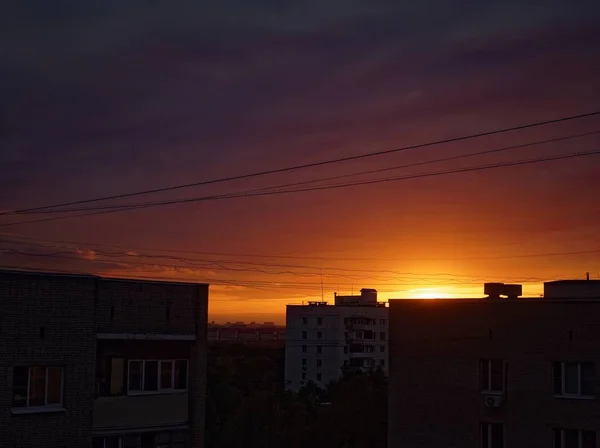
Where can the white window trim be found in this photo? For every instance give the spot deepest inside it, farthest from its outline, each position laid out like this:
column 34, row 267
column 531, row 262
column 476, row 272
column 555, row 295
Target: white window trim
column 488, row 427
column 52, row 407
column 159, row 390
column 489, row 390
column 578, row 395
column 562, row 436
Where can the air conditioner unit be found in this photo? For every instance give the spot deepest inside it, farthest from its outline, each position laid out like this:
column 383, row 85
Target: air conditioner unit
column 493, row 401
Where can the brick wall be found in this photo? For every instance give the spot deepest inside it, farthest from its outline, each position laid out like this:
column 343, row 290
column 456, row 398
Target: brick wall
column 63, row 307
column 435, row 348
column 132, row 306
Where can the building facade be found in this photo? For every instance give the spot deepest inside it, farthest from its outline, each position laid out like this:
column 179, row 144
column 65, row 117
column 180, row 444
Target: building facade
column 495, row 372
column 90, row 361
column 321, row 338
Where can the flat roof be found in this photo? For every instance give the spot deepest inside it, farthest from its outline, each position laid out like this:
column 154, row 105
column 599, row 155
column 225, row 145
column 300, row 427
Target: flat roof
column 487, row 300
column 95, row 276
column 578, row 281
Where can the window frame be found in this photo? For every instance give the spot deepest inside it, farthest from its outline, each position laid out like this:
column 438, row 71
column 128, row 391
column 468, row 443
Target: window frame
column 563, row 380
column 488, row 388
column 27, row 408
column 580, row 433
column 159, row 389
column 488, row 428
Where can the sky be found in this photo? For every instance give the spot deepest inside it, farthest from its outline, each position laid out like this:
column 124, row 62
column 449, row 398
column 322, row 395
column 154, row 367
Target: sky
column 107, row 97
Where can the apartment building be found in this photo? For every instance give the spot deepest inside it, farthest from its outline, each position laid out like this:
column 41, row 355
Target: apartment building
column 496, row 372
column 97, row 362
column 321, row 338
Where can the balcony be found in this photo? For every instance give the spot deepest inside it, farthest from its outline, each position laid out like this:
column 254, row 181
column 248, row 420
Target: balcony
column 140, row 411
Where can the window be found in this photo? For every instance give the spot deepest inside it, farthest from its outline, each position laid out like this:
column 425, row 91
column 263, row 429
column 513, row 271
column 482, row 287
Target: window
column 303, row 361
column 573, row 438
column 382, row 362
column 319, row 349
column 174, row 439
column 492, row 435
column 382, row 335
column 574, row 379
column 319, row 377
column 117, row 442
column 345, row 349
column 382, row 322
column 319, row 321
column 157, row 376
column 491, row 374
column 305, row 320
column 303, row 375
column 319, row 335
column 319, row 363
column 304, row 349
column 304, row 335
column 37, row 386
column 382, row 348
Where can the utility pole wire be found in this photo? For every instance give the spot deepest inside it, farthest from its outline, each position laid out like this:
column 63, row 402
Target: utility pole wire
column 312, row 165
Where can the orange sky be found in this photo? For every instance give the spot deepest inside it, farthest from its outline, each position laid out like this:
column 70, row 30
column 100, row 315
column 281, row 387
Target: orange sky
column 166, row 102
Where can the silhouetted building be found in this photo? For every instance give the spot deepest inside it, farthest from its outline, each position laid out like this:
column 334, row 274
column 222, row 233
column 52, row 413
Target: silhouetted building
column 321, row 339
column 90, row 361
column 496, row 372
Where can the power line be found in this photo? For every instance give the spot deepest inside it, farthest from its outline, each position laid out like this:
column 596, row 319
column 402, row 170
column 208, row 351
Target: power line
column 313, row 181
column 219, row 265
column 318, row 188
column 314, row 164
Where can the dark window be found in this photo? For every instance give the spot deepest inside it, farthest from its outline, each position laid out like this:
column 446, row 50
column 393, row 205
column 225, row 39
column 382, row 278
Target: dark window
column 319, row 321
column 319, row 363
column 305, row 320
column 382, row 335
column 150, row 375
column 318, row 377
column 304, row 349
column 304, row 335
column 574, row 378
column 181, row 374
column 491, row 375
column 166, row 374
column 319, row 349
column 345, row 349
column 382, row 322
column 319, row 334
column 37, row 386
column 492, row 435
column 382, row 348
column 135, row 375
column 303, row 375
column 382, row 362
column 303, row 361
column 573, row 438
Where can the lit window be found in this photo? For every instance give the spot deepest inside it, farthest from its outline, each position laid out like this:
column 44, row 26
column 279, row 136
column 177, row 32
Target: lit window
column 492, row 435
column 491, row 372
column 154, row 376
column 37, row 387
column 574, row 379
column 573, row 438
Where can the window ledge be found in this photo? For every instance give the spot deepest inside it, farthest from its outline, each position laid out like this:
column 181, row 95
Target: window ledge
column 37, row 410
column 492, row 392
column 574, row 397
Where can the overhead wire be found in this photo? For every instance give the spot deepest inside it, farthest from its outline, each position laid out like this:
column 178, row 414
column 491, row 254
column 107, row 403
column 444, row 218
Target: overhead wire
column 314, row 164
column 319, row 188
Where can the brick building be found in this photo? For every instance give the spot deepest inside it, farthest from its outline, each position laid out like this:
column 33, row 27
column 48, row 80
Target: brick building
column 90, row 361
column 495, row 372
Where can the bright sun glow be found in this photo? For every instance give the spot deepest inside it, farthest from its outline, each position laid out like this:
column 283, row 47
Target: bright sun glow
column 430, row 294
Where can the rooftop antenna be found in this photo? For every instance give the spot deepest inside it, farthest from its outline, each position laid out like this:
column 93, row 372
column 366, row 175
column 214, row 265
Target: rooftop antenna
column 322, row 298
